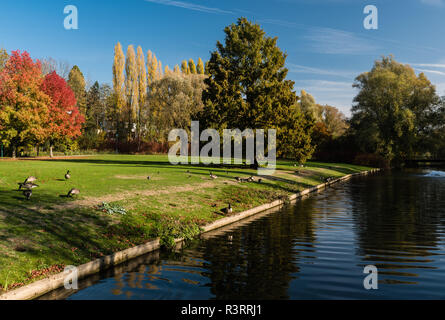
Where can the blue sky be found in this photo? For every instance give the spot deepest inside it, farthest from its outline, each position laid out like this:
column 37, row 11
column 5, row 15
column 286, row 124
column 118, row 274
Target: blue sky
column 325, row 40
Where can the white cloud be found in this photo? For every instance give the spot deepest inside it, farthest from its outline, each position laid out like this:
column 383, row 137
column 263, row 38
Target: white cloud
column 333, row 41
column 190, row 6
column 428, row 65
column 295, row 68
column 437, row 3
column 430, row 71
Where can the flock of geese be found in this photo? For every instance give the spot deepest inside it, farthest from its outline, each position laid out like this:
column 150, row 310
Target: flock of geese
column 229, row 210
column 29, row 184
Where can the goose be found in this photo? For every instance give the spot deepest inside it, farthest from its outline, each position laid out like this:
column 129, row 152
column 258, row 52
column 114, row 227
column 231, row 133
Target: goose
column 227, row 210
column 30, row 179
column 67, row 175
column 27, row 186
column 260, row 180
column 27, row 194
column 251, row 179
column 148, row 178
column 73, row 192
column 238, row 179
column 212, row 176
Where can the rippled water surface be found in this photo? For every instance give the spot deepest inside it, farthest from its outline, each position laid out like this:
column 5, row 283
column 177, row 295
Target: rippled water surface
column 314, row 249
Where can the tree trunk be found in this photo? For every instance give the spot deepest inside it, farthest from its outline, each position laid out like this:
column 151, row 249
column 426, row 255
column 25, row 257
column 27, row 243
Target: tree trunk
column 51, row 151
column 14, row 152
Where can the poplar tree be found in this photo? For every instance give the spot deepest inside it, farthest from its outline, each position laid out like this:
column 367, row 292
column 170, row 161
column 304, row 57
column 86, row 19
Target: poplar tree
column 119, row 77
column 185, row 67
column 160, row 71
column 142, row 87
column 192, row 66
column 132, row 89
column 177, row 70
column 77, row 83
column 152, row 68
column 200, row 67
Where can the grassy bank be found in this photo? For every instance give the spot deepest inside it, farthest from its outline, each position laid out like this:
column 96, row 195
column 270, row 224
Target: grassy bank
column 40, row 236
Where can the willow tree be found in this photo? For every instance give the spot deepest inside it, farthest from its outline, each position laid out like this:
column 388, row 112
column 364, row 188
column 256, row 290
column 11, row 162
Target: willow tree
column 247, row 88
column 309, row 106
column 393, row 110
column 132, row 89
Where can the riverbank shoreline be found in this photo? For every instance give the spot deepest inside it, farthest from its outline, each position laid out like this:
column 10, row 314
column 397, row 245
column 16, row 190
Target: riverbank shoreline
column 44, row 286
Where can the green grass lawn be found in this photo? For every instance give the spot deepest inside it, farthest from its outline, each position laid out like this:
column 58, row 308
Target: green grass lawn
column 38, row 237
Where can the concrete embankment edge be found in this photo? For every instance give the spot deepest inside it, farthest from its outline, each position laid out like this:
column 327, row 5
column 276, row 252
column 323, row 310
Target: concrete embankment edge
column 41, row 287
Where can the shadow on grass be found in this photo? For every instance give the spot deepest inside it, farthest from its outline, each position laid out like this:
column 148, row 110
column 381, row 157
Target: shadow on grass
column 53, row 237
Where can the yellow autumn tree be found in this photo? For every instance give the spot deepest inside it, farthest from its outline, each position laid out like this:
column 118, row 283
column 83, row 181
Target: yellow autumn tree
column 119, row 77
column 132, row 89
column 200, row 66
column 142, row 88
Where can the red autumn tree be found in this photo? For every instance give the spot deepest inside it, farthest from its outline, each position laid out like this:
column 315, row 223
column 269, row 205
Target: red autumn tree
column 23, row 105
column 65, row 120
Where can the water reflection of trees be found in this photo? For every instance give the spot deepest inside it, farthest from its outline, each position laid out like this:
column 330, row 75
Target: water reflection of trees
column 397, row 221
column 261, row 258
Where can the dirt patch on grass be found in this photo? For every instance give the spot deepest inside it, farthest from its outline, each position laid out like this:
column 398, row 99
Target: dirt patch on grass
column 298, row 173
column 46, row 158
column 137, row 177
column 92, row 201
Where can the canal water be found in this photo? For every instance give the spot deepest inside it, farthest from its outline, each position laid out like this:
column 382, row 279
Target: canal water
column 316, row 248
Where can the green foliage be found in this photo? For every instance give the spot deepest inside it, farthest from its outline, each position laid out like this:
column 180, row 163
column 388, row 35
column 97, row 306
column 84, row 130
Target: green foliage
column 174, row 100
column 169, row 228
column 112, row 208
column 247, row 88
column 77, row 83
column 393, row 109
